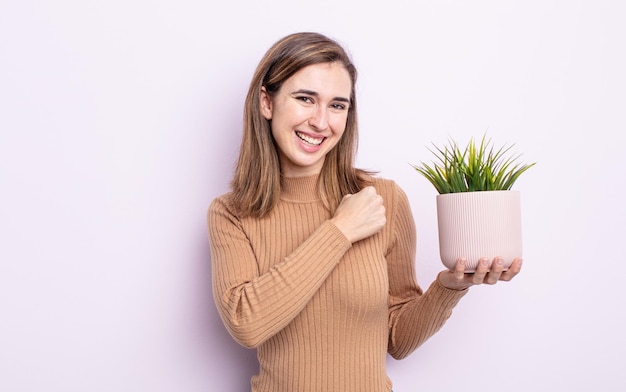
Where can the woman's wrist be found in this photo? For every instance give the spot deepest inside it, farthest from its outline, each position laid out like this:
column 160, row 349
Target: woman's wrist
column 449, row 282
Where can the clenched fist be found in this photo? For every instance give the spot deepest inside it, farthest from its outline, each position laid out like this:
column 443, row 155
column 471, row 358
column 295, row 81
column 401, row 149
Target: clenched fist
column 360, row 215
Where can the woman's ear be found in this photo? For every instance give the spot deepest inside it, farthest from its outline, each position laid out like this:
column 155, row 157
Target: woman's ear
column 266, row 104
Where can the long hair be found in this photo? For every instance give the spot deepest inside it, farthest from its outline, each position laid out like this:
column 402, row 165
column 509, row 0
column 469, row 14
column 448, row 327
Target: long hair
column 256, row 182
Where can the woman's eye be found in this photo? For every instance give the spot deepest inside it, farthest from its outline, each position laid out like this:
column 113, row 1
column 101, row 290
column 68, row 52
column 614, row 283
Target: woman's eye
column 338, row 106
column 305, row 99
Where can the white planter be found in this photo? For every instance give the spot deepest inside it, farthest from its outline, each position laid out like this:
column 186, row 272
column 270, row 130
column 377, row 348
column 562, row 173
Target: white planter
column 473, row 225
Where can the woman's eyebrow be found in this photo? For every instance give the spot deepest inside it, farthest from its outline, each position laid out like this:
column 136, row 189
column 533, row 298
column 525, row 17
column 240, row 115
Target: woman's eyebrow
column 315, row 94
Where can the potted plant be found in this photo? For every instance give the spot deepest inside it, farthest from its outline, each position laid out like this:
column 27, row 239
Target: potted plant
column 478, row 214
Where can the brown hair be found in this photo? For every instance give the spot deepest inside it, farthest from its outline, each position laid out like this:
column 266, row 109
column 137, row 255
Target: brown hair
column 256, row 183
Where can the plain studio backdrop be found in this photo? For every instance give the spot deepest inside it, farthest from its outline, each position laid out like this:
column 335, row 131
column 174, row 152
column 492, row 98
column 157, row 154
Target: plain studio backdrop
column 120, row 121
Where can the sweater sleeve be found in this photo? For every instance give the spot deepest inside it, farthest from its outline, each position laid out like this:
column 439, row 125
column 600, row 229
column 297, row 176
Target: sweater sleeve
column 255, row 306
column 414, row 315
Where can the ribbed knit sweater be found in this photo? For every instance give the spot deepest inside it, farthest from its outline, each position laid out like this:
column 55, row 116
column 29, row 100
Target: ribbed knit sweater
column 323, row 313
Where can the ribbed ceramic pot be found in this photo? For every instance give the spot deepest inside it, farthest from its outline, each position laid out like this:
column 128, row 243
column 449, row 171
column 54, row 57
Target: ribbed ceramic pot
column 473, row 225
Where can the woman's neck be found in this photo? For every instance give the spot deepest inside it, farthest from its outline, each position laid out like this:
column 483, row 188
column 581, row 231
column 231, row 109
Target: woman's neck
column 299, row 188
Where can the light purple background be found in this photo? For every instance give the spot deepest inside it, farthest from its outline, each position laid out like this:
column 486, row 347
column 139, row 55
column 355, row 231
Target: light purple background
column 120, row 122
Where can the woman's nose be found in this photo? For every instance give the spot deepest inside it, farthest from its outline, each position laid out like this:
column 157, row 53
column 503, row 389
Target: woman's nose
column 319, row 118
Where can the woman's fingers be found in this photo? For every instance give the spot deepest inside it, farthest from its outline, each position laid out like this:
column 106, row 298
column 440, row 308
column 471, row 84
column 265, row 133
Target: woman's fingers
column 513, row 270
column 497, row 266
column 361, row 214
column 487, row 272
column 459, row 270
column 481, row 271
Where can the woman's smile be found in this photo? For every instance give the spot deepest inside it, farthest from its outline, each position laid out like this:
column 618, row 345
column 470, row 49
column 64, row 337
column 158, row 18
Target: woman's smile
column 308, row 116
column 309, row 140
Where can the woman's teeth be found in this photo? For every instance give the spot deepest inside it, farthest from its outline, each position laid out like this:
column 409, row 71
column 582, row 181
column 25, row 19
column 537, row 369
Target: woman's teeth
column 310, row 140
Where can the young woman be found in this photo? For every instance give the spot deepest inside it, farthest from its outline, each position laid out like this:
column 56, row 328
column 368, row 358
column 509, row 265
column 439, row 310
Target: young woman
column 313, row 259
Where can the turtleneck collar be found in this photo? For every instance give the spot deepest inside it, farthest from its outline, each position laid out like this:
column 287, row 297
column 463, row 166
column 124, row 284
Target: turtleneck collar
column 301, row 189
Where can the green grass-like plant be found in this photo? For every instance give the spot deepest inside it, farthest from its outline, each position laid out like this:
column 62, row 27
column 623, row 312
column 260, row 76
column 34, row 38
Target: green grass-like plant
column 473, row 168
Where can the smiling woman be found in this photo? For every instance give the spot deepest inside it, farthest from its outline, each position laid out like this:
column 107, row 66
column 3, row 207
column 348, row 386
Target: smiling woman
column 308, row 116
column 256, row 183
column 312, row 258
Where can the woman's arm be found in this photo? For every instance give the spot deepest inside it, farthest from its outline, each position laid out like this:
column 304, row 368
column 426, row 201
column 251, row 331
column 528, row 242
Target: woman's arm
column 255, row 306
column 414, row 316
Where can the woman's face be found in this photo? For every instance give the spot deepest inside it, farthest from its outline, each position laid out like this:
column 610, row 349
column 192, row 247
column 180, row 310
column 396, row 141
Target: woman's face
column 308, row 116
